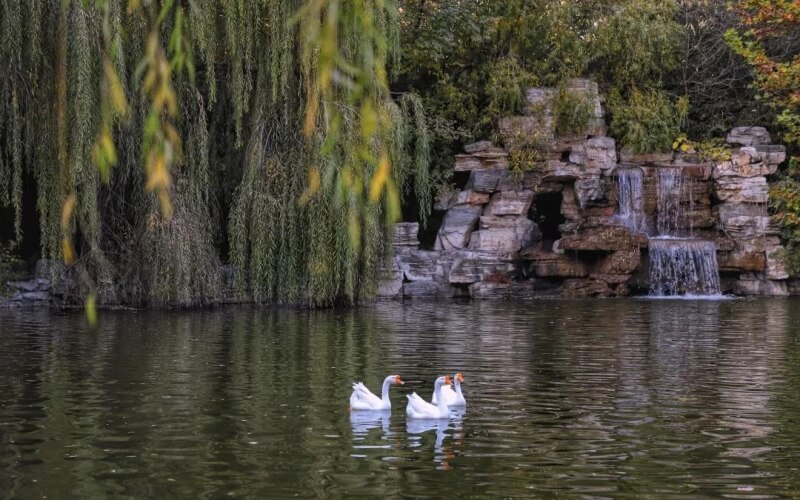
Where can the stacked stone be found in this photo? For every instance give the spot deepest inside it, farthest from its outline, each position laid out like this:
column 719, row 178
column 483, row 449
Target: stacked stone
column 454, row 272
column 490, row 246
column 740, row 186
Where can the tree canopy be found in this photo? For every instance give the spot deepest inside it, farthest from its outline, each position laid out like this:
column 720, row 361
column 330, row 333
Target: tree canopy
column 161, row 139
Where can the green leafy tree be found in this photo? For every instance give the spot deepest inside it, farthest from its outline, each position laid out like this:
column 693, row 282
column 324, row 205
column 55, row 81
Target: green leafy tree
column 768, row 48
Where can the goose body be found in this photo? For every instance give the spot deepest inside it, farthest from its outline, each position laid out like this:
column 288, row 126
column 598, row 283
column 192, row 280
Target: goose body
column 419, row 408
column 362, row 399
column 452, row 394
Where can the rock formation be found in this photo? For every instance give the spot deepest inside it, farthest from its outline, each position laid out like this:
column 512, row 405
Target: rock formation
column 557, row 226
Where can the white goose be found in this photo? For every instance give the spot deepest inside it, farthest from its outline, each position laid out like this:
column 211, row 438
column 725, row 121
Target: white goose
column 452, row 397
column 363, row 399
column 419, row 408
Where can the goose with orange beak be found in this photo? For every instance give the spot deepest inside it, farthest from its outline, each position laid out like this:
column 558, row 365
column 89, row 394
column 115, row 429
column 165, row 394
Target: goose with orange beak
column 419, row 408
column 364, row 400
column 452, row 394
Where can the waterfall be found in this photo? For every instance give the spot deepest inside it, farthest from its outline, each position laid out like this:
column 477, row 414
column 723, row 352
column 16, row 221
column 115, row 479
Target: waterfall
column 679, row 266
column 670, row 191
column 631, row 196
column 683, row 267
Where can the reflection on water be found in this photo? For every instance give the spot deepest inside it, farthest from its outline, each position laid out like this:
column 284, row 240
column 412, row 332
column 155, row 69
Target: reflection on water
column 572, row 398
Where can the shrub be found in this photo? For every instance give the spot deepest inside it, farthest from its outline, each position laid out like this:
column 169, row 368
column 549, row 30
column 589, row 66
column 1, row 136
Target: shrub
column 571, row 112
column 647, row 121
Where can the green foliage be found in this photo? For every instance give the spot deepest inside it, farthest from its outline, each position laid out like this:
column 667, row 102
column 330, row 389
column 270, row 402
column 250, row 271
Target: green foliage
column 715, row 150
column 635, row 43
column 572, row 112
column 505, row 89
column 91, row 85
column 785, row 204
column 769, row 49
column 647, row 121
column 471, row 72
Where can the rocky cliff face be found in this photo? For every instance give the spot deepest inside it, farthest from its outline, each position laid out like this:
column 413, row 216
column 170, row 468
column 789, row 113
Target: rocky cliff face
column 578, row 220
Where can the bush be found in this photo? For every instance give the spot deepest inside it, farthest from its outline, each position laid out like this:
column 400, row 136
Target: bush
column 647, row 121
column 571, row 112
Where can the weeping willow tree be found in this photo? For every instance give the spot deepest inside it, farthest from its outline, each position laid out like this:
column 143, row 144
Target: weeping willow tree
column 168, row 137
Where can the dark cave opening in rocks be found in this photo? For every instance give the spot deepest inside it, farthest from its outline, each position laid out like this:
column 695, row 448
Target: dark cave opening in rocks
column 546, row 212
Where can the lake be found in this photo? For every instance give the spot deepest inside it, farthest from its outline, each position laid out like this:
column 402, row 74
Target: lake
column 594, row 399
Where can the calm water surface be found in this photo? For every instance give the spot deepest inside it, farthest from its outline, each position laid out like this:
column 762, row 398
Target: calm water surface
column 594, row 399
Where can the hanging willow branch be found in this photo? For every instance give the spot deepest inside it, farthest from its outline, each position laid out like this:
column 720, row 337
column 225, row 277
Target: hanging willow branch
column 290, row 103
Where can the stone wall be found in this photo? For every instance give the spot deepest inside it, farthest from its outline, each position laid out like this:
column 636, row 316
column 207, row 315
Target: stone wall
column 554, row 229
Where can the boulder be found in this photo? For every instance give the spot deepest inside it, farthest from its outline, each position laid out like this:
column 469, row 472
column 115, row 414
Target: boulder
column 605, row 239
column 418, row 265
column 559, row 171
column 510, row 203
column 776, row 259
column 466, row 197
column 745, row 227
column 742, row 189
column 744, row 163
column 755, row 285
column 773, row 154
column 486, row 181
column 748, row 136
column 405, row 234
column 458, row 224
column 32, row 298
column 483, row 160
column 552, row 265
column 569, row 204
column 619, row 262
column 482, row 147
column 504, row 234
column 727, row 211
column 742, row 261
column 601, row 153
column 471, row 267
column 578, row 155
column 26, row 286
column 589, row 191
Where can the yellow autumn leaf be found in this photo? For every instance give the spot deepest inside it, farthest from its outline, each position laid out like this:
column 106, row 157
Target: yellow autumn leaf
column 90, row 308
column 67, row 250
column 379, row 179
column 314, row 182
column 116, row 92
column 311, row 116
column 67, row 209
column 158, row 175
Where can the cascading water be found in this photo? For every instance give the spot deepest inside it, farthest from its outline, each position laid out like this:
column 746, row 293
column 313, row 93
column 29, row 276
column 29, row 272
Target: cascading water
column 670, row 190
column 683, row 267
column 679, row 266
column 631, row 196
